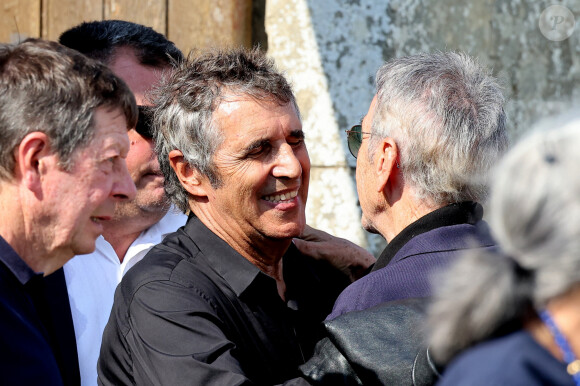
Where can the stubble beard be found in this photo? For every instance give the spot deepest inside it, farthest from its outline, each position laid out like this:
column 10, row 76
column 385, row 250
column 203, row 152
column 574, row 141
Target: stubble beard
column 142, row 207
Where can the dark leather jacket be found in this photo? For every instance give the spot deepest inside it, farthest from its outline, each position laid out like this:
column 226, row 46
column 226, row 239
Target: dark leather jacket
column 383, row 345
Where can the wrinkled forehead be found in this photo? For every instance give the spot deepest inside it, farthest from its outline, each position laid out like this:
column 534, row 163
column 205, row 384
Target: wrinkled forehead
column 245, row 116
column 257, row 95
column 236, row 103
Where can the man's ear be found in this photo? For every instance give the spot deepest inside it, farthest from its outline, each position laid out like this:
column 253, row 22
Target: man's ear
column 190, row 178
column 386, row 163
column 33, row 157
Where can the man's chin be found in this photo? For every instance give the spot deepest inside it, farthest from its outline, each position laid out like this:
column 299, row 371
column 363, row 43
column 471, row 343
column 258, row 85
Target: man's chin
column 287, row 232
column 84, row 248
column 150, row 181
column 141, row 207
column 367, row 226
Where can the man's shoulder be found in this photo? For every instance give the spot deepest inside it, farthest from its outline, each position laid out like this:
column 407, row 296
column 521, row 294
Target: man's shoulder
column 7, row 278
column 447, row 240
column 409, row 272
column 12, row 291
column 27, row 358
column 398, row 280
column 162, row 260
column 320, row 269
column 12, row 294
column 177, row 261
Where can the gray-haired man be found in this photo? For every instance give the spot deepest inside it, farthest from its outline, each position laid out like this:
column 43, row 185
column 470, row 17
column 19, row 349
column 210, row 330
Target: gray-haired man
column 63, row 121
column 227, row 299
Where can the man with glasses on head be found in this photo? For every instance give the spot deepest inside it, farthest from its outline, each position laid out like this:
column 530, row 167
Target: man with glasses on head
column 139, row 56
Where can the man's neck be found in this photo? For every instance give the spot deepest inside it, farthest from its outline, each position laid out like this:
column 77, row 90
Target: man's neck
column 270, row 263
column 403, row 213
column 21, row 229
column 564, row 312
column 123, row 232
column 265, row 253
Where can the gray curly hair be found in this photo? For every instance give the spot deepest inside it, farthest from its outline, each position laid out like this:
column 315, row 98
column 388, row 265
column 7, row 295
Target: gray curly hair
column 445, row 112
column 187, row 98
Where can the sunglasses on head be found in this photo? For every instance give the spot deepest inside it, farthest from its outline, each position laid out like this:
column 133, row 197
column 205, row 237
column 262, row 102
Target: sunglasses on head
column 354, row 138
column 145, row 122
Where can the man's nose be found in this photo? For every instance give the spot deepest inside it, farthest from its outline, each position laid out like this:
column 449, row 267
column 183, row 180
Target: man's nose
column 286, row 163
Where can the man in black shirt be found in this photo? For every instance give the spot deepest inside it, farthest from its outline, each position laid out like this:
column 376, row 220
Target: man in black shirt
column 226, row 299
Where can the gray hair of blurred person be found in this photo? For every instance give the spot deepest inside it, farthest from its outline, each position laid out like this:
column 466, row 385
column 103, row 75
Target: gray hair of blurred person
column 534, row 214
column 445, row 113
column 99, row 40
column 188, row 97
column 49, row 88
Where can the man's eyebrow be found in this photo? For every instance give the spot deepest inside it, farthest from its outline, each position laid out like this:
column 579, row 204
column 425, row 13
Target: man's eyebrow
column 297, row 134
column 257, row 144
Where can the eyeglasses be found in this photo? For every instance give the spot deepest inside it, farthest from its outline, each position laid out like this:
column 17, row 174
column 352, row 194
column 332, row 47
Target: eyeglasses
column 354, row 138
column 145, row 122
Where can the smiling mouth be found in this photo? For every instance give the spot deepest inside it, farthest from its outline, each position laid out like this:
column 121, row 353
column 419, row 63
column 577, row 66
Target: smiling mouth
column 279, row 198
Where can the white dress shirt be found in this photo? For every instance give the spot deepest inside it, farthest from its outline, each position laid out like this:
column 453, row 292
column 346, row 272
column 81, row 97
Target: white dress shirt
column 91, row 282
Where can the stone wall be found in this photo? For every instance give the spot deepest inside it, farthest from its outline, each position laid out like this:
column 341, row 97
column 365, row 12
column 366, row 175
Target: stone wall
column 331, row 49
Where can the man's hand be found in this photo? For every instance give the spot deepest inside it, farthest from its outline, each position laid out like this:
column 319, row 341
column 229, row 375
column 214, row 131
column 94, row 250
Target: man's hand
column 341, row 253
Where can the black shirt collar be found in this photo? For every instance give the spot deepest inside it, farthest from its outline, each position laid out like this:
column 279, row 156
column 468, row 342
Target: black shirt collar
column 459, row 213
column 244, row 277
column 226, row 261
column 15, row 264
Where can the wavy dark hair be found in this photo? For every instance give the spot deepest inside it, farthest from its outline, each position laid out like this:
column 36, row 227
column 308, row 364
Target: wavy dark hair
column 100, row 39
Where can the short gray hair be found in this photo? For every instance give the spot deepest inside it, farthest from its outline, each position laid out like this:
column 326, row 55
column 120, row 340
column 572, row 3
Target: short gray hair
column 445, row 112
column 534, row 214
column 187, row 98
column 47, row 87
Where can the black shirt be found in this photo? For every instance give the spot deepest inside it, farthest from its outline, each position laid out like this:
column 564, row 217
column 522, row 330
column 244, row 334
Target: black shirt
column 196, row 312
column 26, row 356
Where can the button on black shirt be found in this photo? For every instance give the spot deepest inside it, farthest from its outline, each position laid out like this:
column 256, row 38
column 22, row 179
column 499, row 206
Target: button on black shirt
column 196, row 312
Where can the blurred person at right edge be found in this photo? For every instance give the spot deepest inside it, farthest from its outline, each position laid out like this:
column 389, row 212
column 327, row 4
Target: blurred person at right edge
column 512, row 318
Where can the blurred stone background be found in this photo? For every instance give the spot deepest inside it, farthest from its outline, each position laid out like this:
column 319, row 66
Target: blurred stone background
column 331, row 49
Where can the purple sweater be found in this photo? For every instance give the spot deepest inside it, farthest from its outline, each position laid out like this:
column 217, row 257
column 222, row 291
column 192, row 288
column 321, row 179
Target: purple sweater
column 426, row 249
